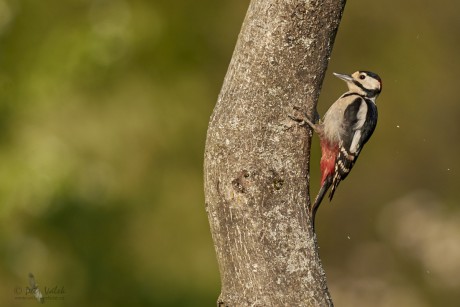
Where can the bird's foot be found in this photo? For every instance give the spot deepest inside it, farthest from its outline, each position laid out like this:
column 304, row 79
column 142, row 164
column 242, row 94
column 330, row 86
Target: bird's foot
column 302, row 119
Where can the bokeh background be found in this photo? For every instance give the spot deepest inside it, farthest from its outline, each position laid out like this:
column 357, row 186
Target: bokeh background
column 104, row 106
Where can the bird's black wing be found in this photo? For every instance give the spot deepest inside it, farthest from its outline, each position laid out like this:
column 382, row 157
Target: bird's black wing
column 360, row 119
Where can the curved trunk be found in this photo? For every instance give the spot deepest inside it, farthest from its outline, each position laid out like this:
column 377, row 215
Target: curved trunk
column 257, row 159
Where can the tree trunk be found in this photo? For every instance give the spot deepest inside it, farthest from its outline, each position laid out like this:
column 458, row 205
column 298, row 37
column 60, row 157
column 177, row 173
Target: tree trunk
column 257, row 159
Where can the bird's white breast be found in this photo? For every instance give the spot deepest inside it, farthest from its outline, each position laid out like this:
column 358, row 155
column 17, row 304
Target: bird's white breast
column 333, row 119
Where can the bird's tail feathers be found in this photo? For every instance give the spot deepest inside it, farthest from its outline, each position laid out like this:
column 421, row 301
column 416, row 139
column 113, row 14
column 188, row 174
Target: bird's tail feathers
column 335, row 184
column 319, row 198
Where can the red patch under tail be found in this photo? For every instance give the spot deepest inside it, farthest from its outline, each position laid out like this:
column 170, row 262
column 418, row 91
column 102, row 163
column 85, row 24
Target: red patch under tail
column 327, row 164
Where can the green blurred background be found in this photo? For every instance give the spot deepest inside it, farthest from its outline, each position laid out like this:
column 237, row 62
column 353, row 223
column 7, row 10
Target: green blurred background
column 104, row 106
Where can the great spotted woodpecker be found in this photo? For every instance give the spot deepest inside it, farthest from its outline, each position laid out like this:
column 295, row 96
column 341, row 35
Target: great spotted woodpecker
column 345, row 128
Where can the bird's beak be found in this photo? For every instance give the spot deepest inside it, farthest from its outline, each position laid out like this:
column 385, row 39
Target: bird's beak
column 346, row 78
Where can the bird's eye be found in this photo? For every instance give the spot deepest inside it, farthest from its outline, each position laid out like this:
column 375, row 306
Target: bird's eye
column 362, row 77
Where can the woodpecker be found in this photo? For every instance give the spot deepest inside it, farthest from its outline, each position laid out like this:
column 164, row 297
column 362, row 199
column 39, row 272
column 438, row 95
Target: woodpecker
column 345, row 128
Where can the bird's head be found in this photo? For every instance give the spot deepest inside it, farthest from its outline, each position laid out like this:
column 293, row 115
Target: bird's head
column 365, row 83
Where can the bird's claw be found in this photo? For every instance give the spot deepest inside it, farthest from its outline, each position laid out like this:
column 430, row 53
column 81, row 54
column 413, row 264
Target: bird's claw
column 302, row 119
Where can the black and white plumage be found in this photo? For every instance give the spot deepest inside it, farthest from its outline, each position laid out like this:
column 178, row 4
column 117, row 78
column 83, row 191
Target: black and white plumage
column 345, row 128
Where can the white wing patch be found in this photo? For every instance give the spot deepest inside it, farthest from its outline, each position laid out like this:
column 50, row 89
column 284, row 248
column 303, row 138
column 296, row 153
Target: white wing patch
column 361, row 116
column 355, row 142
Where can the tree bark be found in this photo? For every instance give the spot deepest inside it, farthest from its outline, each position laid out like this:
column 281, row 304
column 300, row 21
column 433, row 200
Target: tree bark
column 257, row 159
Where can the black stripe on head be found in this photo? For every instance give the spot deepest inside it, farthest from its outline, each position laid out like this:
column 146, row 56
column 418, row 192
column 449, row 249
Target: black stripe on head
column 371, row 74
column 369, row 92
